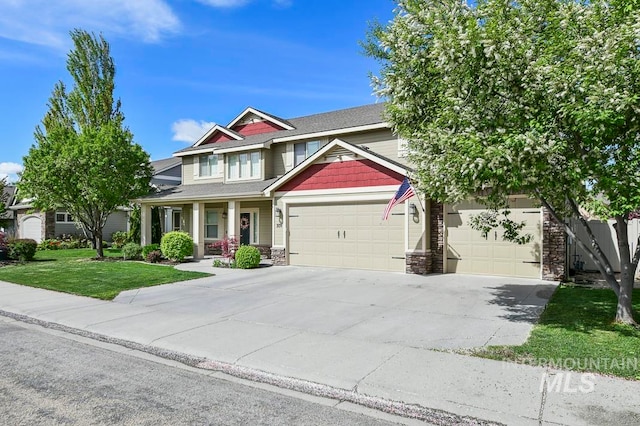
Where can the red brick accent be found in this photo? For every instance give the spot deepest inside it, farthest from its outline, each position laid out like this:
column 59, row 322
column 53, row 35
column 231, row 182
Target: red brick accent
column 436, row 221
column 345, row 174
column 256, row 128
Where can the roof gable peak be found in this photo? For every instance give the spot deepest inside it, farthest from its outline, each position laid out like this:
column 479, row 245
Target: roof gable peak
column 232, row 135
column 248, row 116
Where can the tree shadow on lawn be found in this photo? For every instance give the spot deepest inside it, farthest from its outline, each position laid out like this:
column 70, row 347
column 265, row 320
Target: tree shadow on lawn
column 571, row 308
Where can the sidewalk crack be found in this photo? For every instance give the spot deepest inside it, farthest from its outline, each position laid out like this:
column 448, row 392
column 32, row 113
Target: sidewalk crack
column 355, row 388
column 543, row 398
column 266, row 346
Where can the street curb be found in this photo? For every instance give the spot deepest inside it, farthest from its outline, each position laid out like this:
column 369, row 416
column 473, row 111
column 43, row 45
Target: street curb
column 398, row 408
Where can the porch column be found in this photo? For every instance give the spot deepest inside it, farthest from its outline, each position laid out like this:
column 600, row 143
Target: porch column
column 168, row 219
column 145, row 224
column 198, row 230
column 233, row 218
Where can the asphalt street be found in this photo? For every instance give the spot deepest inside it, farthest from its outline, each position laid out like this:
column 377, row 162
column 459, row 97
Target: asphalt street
column 50, row 378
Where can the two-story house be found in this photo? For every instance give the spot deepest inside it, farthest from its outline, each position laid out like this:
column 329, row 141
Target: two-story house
column 312, row 190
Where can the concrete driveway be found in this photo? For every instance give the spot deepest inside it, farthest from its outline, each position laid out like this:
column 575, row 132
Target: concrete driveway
column 275, row 303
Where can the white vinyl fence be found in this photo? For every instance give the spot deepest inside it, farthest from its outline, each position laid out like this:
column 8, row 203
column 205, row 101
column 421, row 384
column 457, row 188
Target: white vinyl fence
column 606, row 235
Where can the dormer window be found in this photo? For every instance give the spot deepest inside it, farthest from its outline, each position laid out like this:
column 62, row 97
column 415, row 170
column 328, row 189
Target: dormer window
column 208, row 165
column 303, row 150
column 245, row 165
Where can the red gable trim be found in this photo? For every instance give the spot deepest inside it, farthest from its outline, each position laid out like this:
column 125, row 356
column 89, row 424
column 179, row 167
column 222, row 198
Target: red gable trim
column 217, row 137
column 256, row 128
column 346, row 174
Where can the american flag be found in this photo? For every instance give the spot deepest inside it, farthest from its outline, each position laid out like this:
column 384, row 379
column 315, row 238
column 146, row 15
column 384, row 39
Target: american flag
column 404, row 193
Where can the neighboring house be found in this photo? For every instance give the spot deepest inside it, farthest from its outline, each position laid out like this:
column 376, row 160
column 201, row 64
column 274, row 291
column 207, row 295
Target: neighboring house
column 311, row 191
column 167, row 173
column 7, row 219
column 42, row 225
column 39, row 225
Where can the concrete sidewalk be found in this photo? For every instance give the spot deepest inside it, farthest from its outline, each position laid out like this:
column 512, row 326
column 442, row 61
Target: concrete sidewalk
column 340, row 366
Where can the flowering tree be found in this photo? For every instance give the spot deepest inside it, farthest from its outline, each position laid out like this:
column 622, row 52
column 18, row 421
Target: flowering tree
column 540, row 97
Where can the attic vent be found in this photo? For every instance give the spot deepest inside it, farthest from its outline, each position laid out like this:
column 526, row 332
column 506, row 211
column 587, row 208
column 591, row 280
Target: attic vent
column 339, row 152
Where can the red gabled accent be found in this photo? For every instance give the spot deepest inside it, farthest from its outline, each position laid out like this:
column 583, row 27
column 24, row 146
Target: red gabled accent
column 218, row 136
column 345, row 174
column 256, row 128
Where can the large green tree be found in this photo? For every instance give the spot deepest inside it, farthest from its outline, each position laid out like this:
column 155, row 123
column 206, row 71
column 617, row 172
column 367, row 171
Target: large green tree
column 3, row 198
column 84, row 159
column 540, row 97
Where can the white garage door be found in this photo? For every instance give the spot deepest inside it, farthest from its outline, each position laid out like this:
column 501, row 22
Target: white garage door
column 346, row 236
column 469, row 253
column 31, row 227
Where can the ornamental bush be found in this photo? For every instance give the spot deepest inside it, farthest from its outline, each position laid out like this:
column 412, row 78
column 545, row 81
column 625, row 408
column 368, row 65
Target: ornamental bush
column 119, row 239
column 149, row 248
column 153, row 256
column 176, row 245
column 247, row 257
column 131, row 251
column 22, row 249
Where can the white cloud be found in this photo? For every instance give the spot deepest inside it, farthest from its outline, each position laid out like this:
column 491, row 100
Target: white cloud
column 47, row 23
column 224, row 3
column 10, row 171
column 188, row 130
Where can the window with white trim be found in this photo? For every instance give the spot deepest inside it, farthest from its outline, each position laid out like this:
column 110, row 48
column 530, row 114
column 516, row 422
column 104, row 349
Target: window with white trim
column 64, row 217
column 211, row 224
column 208, row 165
column 303, row 150
column 245, row 165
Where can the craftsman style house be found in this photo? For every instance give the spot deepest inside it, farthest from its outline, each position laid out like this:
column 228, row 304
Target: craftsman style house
column 312, row 190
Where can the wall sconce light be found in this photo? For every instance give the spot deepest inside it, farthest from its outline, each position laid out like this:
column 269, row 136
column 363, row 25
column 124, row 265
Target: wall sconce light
column 224, row 215
column 413, row 210
column 277, row 211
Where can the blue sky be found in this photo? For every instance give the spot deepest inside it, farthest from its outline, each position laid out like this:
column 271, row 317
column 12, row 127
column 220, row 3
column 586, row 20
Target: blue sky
column 183, row 65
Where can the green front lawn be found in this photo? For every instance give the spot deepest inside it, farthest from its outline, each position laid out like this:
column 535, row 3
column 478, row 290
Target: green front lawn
column 576, row 331
column 76, row 272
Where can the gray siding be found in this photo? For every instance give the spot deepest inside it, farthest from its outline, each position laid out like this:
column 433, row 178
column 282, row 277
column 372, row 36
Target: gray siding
column 381, row 142
column 278, row 159
column 117, row 221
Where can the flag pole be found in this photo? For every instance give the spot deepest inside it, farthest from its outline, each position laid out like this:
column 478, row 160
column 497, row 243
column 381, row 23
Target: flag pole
column 418, row 195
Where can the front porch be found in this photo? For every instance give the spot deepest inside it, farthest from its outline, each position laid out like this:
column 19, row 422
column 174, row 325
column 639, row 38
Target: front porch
column 250, row 221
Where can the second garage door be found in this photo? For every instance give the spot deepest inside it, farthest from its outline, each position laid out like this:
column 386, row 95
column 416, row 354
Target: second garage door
column 346, row 236
column 31, row 227
column 468, row 252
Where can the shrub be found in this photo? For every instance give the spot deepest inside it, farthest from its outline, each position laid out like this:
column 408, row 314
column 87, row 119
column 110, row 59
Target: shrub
column 3, row 246
column 49, row 245
column 149, row 248
column 227, row 246
column 247, row 257
column 154, row 256
column 119, row 239
column 176, row 245
column 131, row 251
column 22, row 249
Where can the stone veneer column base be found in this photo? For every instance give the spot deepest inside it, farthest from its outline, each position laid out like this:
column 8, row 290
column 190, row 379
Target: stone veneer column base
column 278, row 256
column 418, row 262
column 554, row 249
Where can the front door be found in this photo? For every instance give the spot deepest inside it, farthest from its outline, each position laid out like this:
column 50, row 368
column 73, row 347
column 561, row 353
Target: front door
column 245, row 229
